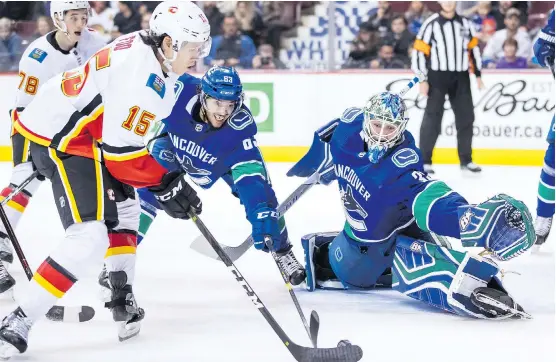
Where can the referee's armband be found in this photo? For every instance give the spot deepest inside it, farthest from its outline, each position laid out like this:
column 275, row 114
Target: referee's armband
column 422, row 47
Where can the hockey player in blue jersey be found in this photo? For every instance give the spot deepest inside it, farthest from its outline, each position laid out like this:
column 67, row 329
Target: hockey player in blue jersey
column 544, row 53
column 394, row 213
column 211, row 135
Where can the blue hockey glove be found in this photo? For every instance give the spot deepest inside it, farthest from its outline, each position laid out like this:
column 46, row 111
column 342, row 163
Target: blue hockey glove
column 264, row 221
column 544, row 52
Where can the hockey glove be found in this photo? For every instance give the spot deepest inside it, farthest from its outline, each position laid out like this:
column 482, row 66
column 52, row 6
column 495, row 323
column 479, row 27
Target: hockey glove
column 264, row 221
column 544, row 52
column 176, row 196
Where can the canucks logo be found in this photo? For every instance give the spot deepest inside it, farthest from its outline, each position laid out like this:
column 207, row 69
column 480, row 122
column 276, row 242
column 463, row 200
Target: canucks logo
column 465, row 219
column 157, row 84
column 351, row 205
column 199, row 175
column 38, row 54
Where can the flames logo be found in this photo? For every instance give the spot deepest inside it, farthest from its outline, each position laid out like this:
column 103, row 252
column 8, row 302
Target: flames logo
column 173, row 9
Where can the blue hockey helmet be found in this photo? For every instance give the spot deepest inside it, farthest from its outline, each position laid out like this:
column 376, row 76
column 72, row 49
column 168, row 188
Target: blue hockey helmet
column 222, row 83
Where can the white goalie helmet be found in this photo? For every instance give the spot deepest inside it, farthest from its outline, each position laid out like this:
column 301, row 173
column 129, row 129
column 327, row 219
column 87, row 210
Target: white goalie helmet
column 183, row 21
column 59, row 8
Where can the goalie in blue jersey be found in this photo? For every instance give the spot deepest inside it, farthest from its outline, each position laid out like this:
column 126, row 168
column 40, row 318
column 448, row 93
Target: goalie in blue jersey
column 211, row 135
column 395, row 213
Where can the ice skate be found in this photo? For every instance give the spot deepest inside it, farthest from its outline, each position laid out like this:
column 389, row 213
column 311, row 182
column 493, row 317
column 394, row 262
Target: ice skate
column 6, row 253
column 14, row 333
column 542, row 229
column 6, row 280
column 123, row 306
column 497, row 304
column 289, row 264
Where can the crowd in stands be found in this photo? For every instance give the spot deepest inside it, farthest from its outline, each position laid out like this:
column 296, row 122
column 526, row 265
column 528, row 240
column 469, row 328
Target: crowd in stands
column 503, row 28
column 248, row 34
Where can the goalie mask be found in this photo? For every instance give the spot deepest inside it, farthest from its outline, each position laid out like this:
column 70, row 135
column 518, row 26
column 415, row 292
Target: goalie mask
column 384, row 124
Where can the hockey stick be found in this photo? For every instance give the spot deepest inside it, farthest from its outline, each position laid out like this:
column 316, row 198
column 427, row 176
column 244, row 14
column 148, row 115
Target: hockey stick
column 57, row 313
column 345, row 352
column 18, row 189
column 312, row 328
column 200, row 244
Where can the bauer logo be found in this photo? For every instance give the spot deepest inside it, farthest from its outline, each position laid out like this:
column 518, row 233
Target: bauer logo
column 259, row 98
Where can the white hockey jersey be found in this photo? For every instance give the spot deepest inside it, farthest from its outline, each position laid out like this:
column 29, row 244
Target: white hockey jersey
column 44, row 58
column 112, row 99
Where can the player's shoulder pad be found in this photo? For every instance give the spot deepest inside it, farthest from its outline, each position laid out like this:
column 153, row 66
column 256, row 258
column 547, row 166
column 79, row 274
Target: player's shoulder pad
column 185, row 80
column 351, row 114
column 407, row 154
column 243, row 121
column 157, row 84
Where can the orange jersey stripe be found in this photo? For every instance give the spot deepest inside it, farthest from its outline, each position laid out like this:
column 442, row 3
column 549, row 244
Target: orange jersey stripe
column 142, row 171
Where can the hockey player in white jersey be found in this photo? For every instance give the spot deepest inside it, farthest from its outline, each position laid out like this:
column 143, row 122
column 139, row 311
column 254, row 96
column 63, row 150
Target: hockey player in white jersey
column 63, row 49
column 108, row 103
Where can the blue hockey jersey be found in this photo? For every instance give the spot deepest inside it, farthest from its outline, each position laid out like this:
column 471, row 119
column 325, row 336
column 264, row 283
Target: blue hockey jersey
column 383, row 198
column 207, row 154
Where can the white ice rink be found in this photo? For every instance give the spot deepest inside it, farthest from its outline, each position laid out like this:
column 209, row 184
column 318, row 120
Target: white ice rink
column 195, row 311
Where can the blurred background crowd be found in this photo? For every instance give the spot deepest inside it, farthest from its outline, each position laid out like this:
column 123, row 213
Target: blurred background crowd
column 254, row 34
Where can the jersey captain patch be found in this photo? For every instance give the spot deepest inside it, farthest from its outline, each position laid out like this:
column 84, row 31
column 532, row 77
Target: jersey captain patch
column 157, row 84
column 38, row 55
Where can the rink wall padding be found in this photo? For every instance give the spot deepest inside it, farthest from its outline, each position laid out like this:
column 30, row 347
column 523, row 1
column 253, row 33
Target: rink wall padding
column 512, row 115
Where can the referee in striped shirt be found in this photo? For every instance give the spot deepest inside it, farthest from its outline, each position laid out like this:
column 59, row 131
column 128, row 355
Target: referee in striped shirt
column 446, row 50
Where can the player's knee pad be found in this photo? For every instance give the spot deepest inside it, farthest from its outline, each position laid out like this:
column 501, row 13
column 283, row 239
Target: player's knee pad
column 441, row 277
column 84, row 245
column 502, row 225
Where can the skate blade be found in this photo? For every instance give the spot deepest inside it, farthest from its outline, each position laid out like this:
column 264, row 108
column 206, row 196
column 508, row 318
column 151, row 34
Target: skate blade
column 128, row 330
column 512, row 312
column 7, row 351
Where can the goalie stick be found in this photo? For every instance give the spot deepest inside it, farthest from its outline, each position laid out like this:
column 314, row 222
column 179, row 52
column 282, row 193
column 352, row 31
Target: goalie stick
column 57, row 313
column 345, row 352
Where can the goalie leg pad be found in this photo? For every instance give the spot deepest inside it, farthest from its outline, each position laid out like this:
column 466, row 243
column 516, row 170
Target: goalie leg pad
column 443, row 278
column 317, row 267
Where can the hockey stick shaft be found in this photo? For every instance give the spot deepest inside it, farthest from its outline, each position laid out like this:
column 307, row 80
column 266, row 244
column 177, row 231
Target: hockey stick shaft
column 56, row 313
column 235, row 252
column 349, row 353
column 18, row 189
column 313, row 338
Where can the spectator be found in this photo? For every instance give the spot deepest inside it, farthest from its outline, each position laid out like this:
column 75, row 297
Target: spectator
column 400, row 38
column 127, row 20
column 103, row 17
column 18, row 10
column 145, row 18
column 381, row 18
column 416, row 15
column 10, row 46
column 147, row 7
column 279, row 16
column 502, row 7
column 250, row 21
column 214, row 17
column 363, row 48
column 265, row 59
column 386, row 59
column 483, row 18
column 510, row 59
column 44, row 26
column 231, row 48
column 493, row 50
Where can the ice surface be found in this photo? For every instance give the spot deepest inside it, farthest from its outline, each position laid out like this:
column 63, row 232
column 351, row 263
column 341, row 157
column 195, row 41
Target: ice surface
column 195, row 311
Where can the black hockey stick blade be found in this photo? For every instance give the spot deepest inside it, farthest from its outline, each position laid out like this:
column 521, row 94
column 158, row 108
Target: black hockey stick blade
column 60, row 313
column 314, row 324
column 345, row 353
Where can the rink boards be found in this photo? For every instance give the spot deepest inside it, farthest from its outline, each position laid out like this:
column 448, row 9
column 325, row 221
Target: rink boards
column 512, row 113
